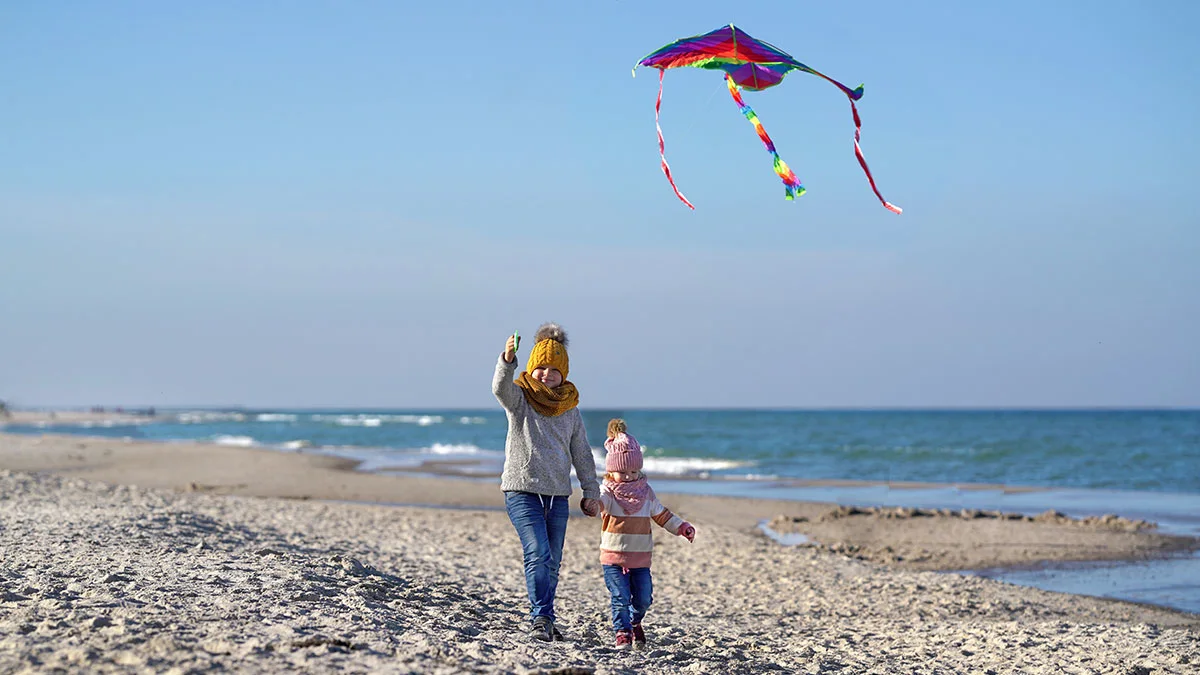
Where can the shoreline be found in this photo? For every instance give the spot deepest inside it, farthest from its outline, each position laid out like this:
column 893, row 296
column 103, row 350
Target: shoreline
column 999, row 531
column 925, row 539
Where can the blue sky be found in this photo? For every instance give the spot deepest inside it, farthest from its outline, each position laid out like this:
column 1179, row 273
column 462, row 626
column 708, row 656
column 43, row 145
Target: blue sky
column 353, row 204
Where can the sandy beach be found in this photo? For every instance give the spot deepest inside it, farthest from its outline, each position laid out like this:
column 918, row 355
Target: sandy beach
column 180, row 557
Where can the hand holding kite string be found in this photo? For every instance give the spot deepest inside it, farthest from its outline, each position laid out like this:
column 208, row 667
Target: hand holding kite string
column 754, row 65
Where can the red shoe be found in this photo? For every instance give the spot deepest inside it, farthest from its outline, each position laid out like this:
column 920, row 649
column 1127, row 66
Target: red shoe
column 624, row 639
column 639, row 635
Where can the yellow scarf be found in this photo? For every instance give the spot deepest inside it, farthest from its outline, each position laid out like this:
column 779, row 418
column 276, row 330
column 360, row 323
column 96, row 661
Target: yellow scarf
column 547, row 401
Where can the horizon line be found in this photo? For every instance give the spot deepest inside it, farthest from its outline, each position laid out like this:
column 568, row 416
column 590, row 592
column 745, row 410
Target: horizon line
column 685, row 408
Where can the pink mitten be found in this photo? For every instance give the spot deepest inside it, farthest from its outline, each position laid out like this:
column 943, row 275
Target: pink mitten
column 686, row 530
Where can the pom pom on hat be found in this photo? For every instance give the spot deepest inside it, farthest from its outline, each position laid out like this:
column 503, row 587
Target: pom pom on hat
column 616, row 426
column 551, row 331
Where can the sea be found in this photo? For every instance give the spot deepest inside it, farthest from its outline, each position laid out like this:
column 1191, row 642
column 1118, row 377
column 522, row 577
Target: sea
column 1135, row 463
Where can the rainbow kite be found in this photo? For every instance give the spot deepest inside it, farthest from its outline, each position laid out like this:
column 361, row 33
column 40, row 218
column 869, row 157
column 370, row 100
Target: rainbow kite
column 754, row 65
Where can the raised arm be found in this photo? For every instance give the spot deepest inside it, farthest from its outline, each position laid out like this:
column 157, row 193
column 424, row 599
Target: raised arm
column 503, row 387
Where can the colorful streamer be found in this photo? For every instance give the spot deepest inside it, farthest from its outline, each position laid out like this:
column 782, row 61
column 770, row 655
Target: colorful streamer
column 792, row 186
column 662, row 147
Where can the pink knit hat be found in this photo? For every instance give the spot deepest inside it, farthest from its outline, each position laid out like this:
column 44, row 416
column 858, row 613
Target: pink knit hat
column 624, row 453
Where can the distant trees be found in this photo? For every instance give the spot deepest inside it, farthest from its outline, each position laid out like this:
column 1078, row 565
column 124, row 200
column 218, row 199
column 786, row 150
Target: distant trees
column 4, row 412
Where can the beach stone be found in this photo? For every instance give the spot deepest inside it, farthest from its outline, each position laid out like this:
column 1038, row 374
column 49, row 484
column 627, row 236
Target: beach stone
column 1050, row 516
column 128, row 658
column 349, row 565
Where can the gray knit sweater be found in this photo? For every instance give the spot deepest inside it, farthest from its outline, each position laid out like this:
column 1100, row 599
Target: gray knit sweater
column 540, row 450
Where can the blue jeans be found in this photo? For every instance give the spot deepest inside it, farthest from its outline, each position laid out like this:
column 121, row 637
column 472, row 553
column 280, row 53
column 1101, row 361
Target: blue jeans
column 631, row 592
column 541, row 522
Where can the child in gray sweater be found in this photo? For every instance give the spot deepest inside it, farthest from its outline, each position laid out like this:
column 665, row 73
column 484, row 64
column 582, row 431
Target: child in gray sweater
column 545, row 439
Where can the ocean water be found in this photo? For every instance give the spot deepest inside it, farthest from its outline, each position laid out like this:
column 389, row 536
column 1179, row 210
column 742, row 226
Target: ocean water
column 1135, row 463
column 1154, row 451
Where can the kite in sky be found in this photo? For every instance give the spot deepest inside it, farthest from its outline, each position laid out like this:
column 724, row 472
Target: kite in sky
column 754, row 65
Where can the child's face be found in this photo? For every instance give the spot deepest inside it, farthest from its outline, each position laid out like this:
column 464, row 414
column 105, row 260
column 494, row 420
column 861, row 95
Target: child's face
column 626, row 476
column 548, row 376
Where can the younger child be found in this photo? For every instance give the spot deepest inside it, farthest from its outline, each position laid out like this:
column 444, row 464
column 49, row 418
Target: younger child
column 545, row 439
column 628, row 505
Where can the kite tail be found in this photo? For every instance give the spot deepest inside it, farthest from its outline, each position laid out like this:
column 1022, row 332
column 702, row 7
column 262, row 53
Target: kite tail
column 791, row 184
column 662, row 148
column 854, row 95
column 862, row 161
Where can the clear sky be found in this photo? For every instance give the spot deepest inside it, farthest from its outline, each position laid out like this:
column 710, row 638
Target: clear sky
column 353, row 204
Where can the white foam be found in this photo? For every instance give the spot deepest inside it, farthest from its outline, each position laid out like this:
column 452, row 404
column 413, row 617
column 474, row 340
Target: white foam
column 457, row 449
column 296, row 445
column 366, row 420
column 675, row 466
column 357, row 421
column 684, row 466
column 275, row 417
column 239, row 441
column 757, row 476
column 472, row 420
column 482, row 461
column 206, row 417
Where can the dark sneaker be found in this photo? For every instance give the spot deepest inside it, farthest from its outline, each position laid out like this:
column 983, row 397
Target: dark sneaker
column 555, row 633
column 624, row 639
column 639, row 635
column 542, row 629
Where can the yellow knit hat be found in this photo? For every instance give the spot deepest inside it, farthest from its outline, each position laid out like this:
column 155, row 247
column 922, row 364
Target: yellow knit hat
column 550, row 350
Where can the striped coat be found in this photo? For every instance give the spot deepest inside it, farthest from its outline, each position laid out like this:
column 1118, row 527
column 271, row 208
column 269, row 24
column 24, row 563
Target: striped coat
column 625, row 538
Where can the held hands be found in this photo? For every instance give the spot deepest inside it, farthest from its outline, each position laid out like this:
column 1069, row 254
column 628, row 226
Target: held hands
column 510, row 349
column 688, row 532
column 590, row 507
